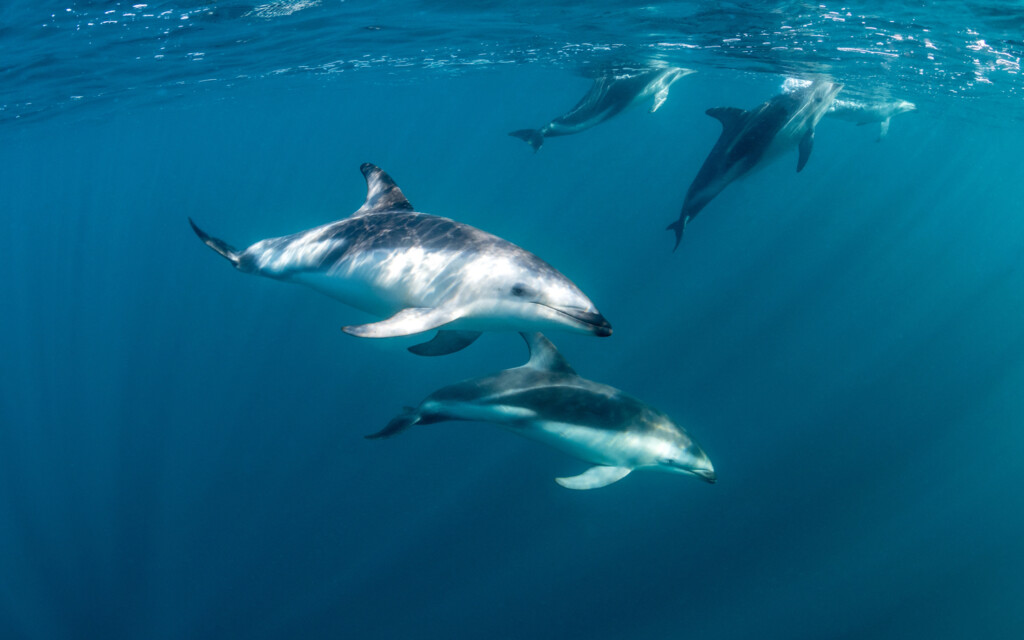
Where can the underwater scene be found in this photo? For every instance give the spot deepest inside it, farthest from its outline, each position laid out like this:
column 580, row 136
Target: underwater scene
column 547, row 320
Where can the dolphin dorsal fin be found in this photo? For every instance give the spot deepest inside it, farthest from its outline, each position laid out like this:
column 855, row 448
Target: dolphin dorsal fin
column 544, row 355
column 730, row 117
column 382, row 194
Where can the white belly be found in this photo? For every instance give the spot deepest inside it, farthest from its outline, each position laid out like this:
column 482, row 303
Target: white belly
column 597, row 446
column 384, row 282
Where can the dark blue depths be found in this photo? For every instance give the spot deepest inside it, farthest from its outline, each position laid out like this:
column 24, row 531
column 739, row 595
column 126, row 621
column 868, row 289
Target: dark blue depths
column 181, row 449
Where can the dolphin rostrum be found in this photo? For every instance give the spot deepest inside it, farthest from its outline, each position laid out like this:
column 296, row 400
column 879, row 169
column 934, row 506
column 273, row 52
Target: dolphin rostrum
column 546, row 400
column 420, row 272
column 609, row 95
column 752, row 139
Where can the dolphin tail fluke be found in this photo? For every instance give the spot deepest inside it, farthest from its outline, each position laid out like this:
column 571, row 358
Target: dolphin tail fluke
column 678, row 227
column 532, row 137
column 398, row 424
column 217, row 244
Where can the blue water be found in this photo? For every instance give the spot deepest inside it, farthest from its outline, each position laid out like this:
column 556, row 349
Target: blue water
column 181, row 450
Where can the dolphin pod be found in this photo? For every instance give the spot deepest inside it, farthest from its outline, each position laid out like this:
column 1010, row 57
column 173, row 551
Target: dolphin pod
column 419, row 272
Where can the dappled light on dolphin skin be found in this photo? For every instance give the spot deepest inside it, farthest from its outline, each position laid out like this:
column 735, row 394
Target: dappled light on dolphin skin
column 420, row 272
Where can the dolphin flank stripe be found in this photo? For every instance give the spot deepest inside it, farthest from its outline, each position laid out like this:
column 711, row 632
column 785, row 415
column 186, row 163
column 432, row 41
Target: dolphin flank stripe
column 493, row 390
column 597, row 406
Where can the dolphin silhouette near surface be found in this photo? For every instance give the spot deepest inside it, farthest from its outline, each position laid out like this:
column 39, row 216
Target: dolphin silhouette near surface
column 420, row 272
column 863, row 112
column 546, row 400
column 608, row 96
column 862, row 108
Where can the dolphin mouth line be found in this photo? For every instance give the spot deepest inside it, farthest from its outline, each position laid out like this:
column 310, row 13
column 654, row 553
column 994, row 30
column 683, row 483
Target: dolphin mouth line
column 597, row 322
column 707, row 475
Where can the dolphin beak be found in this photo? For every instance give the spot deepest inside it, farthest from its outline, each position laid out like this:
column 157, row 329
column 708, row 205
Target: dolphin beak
column 707, row 475
column 596, row 322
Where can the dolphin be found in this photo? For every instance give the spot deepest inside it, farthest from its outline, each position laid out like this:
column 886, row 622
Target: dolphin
column 608, row 96
column 864, row 112
column 752, row 139
column 420, row 272
column 546, row 400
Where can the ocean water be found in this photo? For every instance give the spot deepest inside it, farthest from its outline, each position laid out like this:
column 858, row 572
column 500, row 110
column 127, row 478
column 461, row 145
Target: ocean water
column 181, row 450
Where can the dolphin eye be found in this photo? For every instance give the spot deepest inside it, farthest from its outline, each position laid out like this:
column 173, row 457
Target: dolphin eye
column 520, row 290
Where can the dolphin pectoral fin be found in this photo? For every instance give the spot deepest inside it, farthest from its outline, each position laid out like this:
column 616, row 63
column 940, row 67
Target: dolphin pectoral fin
column 806, row 144
column 398, row 424
column 659, row 99
column 404, row 323
column 883, row 130
column 595, row 478
column 445, row 342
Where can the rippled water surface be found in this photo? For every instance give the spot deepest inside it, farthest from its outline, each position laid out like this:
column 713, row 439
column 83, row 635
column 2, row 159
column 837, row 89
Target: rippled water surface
column 60, row 55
